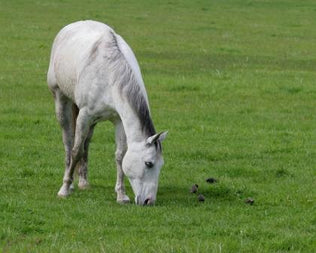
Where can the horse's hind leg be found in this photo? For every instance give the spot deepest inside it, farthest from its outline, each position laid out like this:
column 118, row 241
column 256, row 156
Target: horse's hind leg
column 121, row 146
column 63, row 108
column 82, row 130
column 75, row 112
column 83, row 164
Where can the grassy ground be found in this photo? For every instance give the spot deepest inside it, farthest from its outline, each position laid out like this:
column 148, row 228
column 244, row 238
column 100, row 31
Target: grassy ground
column 233, row 82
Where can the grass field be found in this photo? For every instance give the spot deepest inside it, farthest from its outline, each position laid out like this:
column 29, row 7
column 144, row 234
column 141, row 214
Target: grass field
column 234, row 83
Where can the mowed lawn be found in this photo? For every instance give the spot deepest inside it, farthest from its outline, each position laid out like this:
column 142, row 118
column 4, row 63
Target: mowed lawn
column 234, row 83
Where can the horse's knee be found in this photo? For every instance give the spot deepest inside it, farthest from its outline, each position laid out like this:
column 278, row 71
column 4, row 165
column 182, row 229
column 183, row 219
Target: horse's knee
column 67, row 160
column 119, row 155
column 76, row 154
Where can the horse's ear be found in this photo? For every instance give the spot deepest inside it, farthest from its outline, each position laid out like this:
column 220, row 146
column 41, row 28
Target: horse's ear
column 157, row 137
column 162, row 136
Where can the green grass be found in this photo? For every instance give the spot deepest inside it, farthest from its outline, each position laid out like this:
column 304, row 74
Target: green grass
column 234, row 83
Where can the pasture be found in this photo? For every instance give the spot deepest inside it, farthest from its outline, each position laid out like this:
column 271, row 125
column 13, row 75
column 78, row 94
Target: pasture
column 234, row 83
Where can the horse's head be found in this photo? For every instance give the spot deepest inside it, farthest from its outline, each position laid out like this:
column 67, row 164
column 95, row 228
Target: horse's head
column 141, row 164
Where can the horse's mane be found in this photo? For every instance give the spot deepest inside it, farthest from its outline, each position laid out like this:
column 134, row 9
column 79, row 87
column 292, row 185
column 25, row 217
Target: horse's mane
column 127, row 82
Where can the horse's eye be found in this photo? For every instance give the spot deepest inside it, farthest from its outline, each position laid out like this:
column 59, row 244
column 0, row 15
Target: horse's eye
column 149, row 164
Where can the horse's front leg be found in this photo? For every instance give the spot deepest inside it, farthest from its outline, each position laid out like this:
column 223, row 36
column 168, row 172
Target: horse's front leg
column 81, row 134
column 121, row 146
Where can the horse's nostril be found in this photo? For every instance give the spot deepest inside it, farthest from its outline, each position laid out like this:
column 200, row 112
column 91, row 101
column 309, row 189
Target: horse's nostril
column 147, row 202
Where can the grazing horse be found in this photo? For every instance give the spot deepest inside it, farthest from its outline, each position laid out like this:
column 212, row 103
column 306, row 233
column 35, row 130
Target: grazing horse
column 94, row 76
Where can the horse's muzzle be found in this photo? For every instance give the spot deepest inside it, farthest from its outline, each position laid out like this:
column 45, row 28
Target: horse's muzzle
column 149, row 202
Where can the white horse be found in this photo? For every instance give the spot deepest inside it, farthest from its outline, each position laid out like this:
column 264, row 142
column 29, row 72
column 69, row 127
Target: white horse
column 94, row 76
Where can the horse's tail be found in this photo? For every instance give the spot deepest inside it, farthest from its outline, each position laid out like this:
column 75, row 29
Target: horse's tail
column 75, row 112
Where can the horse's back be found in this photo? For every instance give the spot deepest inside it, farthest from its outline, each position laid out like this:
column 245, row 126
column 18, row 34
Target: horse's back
column 71, row 51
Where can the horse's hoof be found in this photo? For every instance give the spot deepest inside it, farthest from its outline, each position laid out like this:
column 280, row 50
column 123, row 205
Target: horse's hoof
column 83, row 186
column 62, row 195
column 123, row 200
column 64, row 192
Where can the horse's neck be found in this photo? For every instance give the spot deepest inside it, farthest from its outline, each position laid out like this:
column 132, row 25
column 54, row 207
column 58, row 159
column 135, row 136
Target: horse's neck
column 131, row 123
